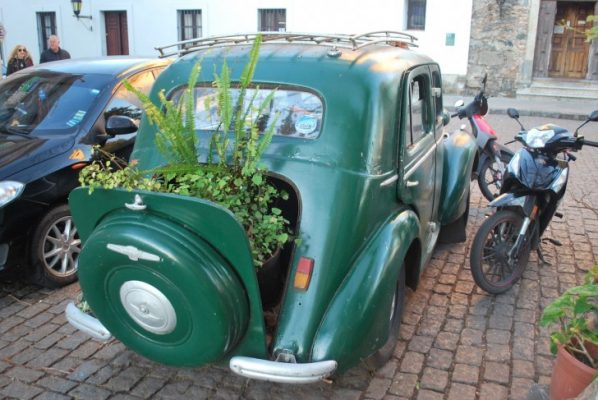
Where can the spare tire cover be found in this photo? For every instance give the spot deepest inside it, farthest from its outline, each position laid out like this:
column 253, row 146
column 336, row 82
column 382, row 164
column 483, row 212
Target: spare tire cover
column 162, row 290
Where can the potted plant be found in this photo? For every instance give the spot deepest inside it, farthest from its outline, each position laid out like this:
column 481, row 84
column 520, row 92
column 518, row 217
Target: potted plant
column 230, row 174
column 575, row 340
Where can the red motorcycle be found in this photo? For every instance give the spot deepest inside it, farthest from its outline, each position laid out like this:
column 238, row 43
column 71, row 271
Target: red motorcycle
column 493, row 156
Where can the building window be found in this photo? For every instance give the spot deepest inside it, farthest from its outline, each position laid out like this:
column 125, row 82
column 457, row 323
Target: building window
column 189, row 24
column 272, row 19
column 416, row 14
column 46, row 26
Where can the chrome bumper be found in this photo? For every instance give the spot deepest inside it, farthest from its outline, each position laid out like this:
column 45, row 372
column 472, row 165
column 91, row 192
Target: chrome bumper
column 275, row 371
column 86, row 323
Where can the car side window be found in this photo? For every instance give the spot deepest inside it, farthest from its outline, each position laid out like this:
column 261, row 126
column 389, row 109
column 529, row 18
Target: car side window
column 126, row 103
column 419, row 107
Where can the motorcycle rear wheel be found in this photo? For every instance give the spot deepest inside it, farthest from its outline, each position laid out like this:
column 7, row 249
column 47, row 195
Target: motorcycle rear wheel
column 491, row 269
column 490, row 177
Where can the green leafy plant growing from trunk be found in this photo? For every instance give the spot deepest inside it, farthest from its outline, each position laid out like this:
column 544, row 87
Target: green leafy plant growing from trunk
column 231, row 176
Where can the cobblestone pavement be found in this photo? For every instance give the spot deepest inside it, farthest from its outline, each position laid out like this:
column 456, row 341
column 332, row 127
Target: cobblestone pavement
column 456, row 342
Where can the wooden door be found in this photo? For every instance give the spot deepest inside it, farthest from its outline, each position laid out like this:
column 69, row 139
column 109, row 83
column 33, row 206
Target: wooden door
column 569, row 55
column 117, row 36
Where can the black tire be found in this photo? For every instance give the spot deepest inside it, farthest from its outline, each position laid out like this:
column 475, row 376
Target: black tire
column 384, row 353
column 55, row 249
column 490, row 177
column 490, row 267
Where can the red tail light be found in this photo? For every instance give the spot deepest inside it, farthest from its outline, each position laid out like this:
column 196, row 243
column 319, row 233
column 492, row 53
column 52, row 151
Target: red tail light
column 303, row 273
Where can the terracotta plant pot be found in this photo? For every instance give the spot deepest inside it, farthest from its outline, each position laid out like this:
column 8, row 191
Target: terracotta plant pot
column 569, row 376
column 592, row 349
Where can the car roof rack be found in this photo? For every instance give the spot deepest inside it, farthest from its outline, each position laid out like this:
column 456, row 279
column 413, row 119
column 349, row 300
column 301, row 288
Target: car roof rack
column 335, row 41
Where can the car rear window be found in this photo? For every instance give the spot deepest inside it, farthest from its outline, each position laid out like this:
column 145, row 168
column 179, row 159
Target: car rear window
column 295, row 112
column 44, row 102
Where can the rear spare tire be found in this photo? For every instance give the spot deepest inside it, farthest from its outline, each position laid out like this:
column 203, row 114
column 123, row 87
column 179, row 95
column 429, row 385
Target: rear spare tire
column 162, row 290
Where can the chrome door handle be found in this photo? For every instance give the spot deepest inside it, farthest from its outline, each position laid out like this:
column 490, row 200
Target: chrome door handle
column 411, row 183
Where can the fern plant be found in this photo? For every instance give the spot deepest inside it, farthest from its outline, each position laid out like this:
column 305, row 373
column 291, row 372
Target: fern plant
column 232, row 175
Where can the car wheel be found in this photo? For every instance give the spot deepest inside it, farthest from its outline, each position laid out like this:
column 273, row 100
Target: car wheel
column 55, row 249
column 384, row 353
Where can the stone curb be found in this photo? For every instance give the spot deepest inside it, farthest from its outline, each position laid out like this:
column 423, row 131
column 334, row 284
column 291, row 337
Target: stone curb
column 552, row 109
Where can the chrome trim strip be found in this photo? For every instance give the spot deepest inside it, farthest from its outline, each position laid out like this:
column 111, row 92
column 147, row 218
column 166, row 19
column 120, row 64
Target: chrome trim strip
column 86, row 323
column 389, row 181
column 274, row 371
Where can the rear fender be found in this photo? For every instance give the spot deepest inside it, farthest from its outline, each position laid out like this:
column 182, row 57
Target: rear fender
column 356, row 323
column 460, row 152
column 197, row 223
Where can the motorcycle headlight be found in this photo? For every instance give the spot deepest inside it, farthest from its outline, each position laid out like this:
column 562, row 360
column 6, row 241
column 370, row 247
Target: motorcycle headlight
column 558, row 184
column 10, row 190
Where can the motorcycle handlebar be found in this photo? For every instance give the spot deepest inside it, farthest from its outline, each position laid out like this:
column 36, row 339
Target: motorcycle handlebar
column 590, row 143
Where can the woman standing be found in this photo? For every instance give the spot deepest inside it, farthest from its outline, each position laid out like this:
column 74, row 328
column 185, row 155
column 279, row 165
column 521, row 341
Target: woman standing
column 19, row 59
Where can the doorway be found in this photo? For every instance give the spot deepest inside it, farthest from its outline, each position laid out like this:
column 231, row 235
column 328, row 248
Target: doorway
column 569, row 55
column 117, row 36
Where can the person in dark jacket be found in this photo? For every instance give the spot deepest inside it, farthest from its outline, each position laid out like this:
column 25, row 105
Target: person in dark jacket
column 19, row 58
column 53, row 52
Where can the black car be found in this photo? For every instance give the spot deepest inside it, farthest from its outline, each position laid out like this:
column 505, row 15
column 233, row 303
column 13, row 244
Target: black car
column 50, row 118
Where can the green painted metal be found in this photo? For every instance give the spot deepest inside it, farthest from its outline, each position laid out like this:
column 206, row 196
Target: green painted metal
column 460, row 149
column 356, row 218
column 211, row 246
column 357, row 321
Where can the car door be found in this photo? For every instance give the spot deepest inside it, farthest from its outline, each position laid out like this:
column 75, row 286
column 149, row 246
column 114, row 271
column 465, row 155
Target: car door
column 419, row 158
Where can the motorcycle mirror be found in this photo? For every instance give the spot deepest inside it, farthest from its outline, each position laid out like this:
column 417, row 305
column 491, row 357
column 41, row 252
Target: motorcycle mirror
column 459, row 103
column 513, row 113
column 593, row 117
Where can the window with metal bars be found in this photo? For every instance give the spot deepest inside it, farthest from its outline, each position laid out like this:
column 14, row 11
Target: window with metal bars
column 46, row 26
column 272, row 19
column 189, row 24
column 416, row 14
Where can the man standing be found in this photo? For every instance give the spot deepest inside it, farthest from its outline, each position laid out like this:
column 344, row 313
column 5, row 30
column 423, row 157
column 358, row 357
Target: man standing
column 53, row 52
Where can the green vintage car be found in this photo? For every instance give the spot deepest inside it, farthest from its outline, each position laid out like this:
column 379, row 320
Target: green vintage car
column 374, row 183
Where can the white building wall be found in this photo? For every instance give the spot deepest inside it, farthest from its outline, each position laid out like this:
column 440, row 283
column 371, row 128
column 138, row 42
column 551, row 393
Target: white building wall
column 154, row 22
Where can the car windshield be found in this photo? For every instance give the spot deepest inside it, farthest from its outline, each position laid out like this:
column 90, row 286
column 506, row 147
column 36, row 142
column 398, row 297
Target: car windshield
column 46, row 102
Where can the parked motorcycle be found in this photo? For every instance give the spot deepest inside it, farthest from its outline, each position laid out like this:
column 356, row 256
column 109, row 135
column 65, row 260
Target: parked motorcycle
column 533, row 186
column 493, row 156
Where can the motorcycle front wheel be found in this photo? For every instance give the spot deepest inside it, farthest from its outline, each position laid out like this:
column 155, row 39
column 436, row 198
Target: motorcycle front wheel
column 491, row 266
column 490, row 177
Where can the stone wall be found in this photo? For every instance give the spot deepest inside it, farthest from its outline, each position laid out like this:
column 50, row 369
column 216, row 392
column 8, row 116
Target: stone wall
column 498, row 44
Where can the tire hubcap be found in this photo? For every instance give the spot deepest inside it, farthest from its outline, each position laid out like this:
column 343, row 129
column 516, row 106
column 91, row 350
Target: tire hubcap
column 61, row 248
column 148, row 307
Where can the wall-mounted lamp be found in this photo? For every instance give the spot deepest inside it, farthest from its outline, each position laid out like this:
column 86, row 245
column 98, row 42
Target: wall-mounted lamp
column 77, row 4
